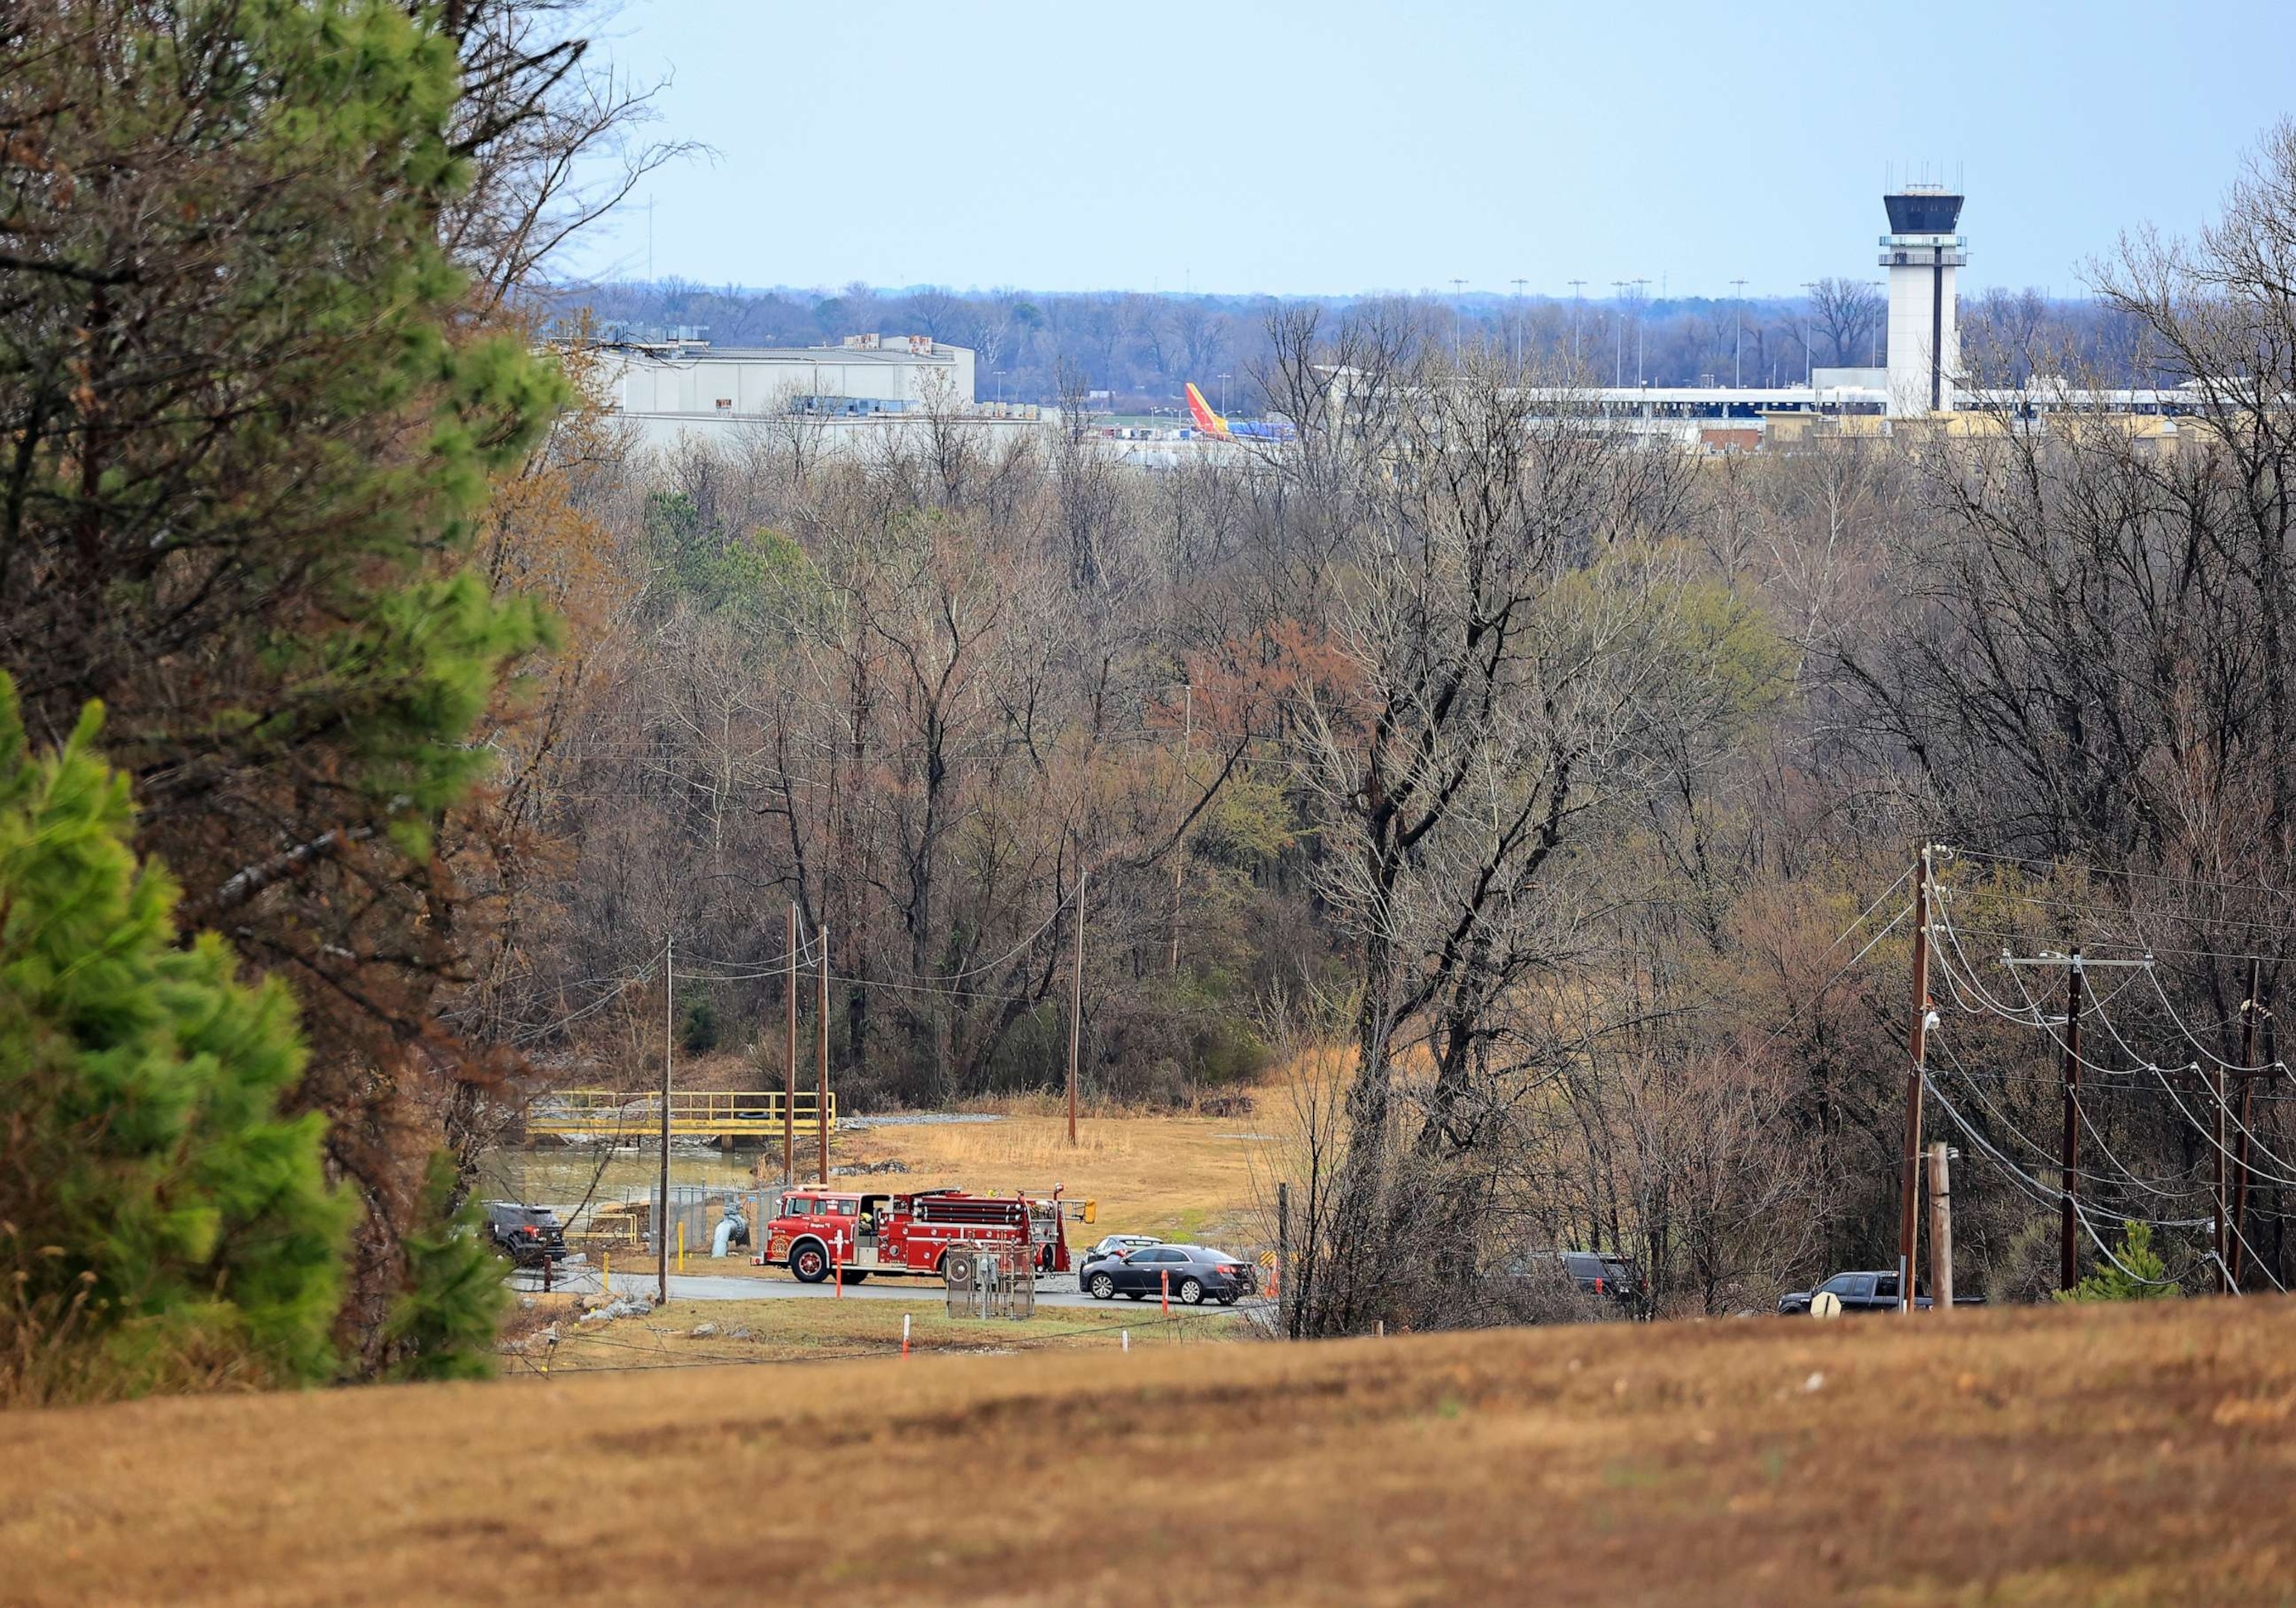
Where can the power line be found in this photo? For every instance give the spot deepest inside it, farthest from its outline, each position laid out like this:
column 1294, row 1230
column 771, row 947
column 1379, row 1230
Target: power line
column 1819, row 993
column 2133, row 915
column 529, row 1035
column 2139, row 944
column 2047, row 1194
column 2148, row 876
column 2056, row 1193
column 1970, row 994
column 2034, row 1015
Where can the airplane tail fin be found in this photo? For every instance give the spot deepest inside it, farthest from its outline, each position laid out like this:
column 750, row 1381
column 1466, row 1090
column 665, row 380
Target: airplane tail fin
column 1207, row 420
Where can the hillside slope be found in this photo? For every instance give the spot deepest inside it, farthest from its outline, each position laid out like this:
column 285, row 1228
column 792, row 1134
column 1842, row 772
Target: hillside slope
column 2128, row 1455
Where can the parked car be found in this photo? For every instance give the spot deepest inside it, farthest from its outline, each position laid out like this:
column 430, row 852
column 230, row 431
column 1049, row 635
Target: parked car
column 1616, row 1278
column 1112, row 1247
column 1875, row 1292
column 1191, row 1273
column 1598, row 1274
column 529, row 1235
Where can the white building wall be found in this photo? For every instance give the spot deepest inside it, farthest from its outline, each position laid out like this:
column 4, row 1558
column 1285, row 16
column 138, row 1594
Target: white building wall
column 1911, row 289
column 653, row 381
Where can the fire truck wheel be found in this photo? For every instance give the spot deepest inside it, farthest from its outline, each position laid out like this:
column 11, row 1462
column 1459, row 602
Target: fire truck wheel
column 809, row 1262
column 852, row 1275
column 1192, row 1291
column 1103, row 1286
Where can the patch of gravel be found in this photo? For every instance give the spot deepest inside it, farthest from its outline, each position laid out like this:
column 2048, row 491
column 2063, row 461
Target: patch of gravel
column 854, row 1125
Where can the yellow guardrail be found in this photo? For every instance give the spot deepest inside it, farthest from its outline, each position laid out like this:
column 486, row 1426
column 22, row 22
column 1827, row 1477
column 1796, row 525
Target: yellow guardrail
column 599, row 1113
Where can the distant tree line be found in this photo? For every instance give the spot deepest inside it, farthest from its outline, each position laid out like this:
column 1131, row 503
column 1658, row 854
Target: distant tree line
column 1142, row 349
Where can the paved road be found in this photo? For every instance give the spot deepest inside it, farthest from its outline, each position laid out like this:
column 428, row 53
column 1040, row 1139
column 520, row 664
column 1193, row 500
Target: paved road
column 1058, row 1290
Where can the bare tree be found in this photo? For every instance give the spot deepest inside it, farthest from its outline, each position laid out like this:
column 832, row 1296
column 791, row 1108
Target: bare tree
column 1849, row 313
column 1493, row 672
column 554, row 137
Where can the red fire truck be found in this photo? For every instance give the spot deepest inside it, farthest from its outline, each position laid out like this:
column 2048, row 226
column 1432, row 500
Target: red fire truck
column 857, row 1234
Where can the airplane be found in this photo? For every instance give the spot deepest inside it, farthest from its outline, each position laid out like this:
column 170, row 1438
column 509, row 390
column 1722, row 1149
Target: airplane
column 1242, row 430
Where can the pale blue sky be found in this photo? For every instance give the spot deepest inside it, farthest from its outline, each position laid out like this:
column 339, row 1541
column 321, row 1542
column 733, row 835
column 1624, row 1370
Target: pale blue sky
column 1336, row 147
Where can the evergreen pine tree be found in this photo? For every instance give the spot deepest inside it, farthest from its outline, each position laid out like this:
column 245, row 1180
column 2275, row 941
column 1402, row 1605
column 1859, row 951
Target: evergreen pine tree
column 251, row 416
column 443, row 1326
column 149, row 1192
column 2145, row 1278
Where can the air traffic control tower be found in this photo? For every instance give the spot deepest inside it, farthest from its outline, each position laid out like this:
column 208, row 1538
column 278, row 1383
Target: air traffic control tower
column 1922, row 252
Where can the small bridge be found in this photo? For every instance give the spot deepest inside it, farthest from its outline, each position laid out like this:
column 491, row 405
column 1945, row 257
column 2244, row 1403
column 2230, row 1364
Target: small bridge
column 615, row 1115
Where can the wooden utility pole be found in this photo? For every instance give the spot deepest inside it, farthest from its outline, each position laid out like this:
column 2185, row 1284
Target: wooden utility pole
column 1283, row 1261
column 1180, row 845
column 2224, row 1284
column 2247, row 1113
column 2069, row 1171
column 1076, row 1006
column 661, row 1195
column 1940, row 1230
column 820, row 1033
column 2068, row 1224
column 789, row 1063
column 1918, row 1051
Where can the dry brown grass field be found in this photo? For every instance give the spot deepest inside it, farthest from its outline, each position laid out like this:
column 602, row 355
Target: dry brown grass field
column 2132, row 1455
column 1178, row 1177
column 819, row 1329
column 1174, row 1174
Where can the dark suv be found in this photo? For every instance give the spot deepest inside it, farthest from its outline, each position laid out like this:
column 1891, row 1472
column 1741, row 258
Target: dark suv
column 1614, row 1278
column 1601, row 1275
column 529, row 1235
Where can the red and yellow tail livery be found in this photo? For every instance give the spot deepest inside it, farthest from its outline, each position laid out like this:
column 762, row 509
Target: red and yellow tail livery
column 1220, row 429
column 1207, row 420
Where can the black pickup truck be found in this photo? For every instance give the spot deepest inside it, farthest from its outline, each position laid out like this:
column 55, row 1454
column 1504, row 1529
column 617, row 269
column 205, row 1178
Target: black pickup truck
column 1865, row 1292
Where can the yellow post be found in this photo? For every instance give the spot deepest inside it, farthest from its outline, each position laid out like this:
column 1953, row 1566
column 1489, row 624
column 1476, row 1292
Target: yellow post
column 681, row 1244
column 606, row 1271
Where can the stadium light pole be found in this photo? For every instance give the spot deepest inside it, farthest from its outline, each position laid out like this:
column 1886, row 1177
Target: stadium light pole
column 1517, row 321
column 1809, row 356
column 1578, row 306
column 1619, row 337
column 1738, row 334
column 1458, row 288
column 1642, row 288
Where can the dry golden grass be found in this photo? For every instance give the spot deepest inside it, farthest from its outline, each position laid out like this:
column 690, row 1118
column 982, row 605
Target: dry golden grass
column 2051, row 1455
column 1178, row 1177
column 824, row 1329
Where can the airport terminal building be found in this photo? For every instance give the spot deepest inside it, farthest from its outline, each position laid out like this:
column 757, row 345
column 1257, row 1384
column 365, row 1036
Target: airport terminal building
column 868, row 388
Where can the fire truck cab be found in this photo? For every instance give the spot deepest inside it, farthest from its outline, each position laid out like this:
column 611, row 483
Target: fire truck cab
column 854, row 1234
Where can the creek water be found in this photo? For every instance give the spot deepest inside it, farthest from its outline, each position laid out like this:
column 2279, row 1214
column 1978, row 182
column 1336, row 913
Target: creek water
column 562, row 1176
